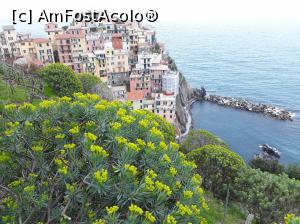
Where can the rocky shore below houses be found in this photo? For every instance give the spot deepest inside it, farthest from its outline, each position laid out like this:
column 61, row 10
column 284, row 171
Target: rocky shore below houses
column 188, row 95
column 184, row 100
column 242, row 104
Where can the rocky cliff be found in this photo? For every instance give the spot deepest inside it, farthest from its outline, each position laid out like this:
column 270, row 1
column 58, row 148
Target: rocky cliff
column 185, row 95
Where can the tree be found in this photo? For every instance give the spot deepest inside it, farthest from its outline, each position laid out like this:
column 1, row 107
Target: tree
column 269, row 197
column 87, row 160
column 61, row 79
column 268, row 165
column 198, row 138
column 218, row 166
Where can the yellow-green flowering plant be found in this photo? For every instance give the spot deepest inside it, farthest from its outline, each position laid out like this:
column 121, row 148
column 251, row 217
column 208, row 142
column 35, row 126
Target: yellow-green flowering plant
column 85, row 160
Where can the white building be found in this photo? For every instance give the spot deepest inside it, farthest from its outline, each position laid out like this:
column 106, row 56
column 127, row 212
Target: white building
column 165, row 106
column 170, row 83
column 147, row 60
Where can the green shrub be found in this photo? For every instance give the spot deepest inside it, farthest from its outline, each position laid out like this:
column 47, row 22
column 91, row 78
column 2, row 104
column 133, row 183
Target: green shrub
column 93, row 84
column 199, row 138
column 293, row 171
column 61, row 79
column 269, row 197
column 92, row 161
column 218, row 166
column 268, row 165
column 88, row 81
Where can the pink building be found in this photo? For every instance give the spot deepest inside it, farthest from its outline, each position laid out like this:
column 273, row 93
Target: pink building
column 156, row 73
column 140, row 84
column 63, row 43
column 76, row 30
column 69, row 44
column 94, row 41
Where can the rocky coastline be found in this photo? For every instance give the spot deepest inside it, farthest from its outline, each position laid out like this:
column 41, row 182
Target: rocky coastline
column 242, row 104
column 184, row 100
column 188, row 95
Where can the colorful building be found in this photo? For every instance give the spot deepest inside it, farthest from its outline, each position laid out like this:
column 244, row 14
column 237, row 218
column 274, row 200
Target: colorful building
column 44, row 51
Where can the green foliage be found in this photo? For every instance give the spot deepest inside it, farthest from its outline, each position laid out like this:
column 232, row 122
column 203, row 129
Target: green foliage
column 269, row 197
column 93, row 84
column 268, row 165
column 18, row 94
column 61, row 79
column 199, row 138
column 218, row 166
column 156, row 48
column 88, row 81
column 48, row 91
column 293, row 171
column 86, row 160
column 215, row 214
column 1, row 69
column 291, row 219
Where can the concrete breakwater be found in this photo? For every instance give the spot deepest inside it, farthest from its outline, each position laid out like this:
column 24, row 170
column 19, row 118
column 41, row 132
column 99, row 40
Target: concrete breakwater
column 267, row 110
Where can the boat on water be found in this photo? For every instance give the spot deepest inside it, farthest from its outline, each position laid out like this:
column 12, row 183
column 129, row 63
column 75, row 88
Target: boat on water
column 272, row 151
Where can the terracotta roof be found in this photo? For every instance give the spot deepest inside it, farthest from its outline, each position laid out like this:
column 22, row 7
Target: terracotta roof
column 68, row 36
column 41, row 40
column 136, row 95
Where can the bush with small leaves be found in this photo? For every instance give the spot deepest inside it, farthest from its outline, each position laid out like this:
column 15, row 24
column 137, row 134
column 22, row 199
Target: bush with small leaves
column 218, row 166
column 293, row 171
column 61, row 79
column 93, row 84
column 268, row 196
column 199, row 138
column 88, row 81
column 87, row 160
column 267, row 165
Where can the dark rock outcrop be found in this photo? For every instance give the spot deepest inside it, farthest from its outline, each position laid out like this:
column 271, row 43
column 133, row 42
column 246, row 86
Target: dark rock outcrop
column 185, row 95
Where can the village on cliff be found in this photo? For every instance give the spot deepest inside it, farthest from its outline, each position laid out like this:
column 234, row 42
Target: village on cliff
column 124, row 55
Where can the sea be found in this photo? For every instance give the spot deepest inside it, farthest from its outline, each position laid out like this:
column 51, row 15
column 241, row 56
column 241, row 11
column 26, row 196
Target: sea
column 256, row 61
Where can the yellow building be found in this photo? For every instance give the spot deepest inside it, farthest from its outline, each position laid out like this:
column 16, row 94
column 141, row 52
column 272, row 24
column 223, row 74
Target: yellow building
column 44, row 51
column 25, row 48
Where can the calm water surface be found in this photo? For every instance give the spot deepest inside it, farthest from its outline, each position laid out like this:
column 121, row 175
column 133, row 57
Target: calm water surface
column 257, row 62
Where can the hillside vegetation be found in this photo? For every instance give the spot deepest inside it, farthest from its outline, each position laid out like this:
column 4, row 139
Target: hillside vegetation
column 83, row 159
